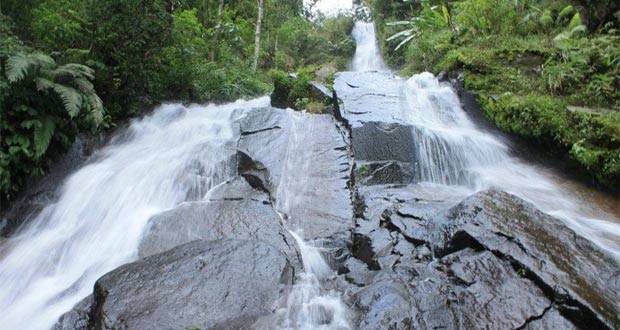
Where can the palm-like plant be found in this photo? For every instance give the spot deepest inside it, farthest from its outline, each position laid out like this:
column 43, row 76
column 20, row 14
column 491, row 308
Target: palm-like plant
column 428, row 18
column 71, row 83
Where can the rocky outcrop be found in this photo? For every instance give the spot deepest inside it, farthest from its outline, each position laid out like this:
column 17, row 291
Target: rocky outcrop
column 408, row 256
column 223, row 284
column 232, row 210
column 491, row 261
column 305, row 162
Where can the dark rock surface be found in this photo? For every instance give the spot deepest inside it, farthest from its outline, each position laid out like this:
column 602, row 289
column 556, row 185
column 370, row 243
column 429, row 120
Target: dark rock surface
column 408, row 256
column 79, row 318
column 584, row 281
column 305, row 162
column 234, row 210
column 365, row 97
column 221, row 284
column 498, row 263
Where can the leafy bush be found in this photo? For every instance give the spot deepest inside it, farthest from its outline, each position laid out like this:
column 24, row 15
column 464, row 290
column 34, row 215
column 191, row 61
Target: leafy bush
column 42, row 101
column 590, row 141
column 58, row 24
column 486, row 17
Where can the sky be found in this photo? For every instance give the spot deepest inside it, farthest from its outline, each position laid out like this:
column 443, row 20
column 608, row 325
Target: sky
column 328, row 7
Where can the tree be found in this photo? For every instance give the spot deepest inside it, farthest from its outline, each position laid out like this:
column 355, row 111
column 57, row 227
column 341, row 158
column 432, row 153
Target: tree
column 129, row 42
column 218, row 27
column 259, row 22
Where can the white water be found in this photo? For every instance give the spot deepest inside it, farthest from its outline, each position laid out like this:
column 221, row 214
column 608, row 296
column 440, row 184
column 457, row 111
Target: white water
column 174, row 155
column 367, row 53
column 451, row 150
column 309, row 305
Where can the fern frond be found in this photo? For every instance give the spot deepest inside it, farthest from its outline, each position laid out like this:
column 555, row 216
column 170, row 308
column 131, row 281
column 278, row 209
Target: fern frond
column 84, row 85
column 43, row 135
column 42, row 60
column 96, row 108
column 71, row 99
column 17, row 67
column 43, row 83
column 83, row 70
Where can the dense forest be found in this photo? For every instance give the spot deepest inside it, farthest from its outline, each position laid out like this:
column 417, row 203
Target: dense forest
column 546, row 70
column 65, row 70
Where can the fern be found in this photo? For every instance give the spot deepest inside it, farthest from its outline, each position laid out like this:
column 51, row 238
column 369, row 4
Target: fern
column 71, row 99
column 84, row 85
column 43, row 135
column 43, row 83
column 95, row 107
column 17, row 67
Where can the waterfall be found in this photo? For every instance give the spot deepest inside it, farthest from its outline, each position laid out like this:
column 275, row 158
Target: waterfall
column 172, row 156
column 309, row 305
column 367, row 53
column 451, row 150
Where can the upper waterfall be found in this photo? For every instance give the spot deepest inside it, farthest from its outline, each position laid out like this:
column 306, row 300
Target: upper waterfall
column 367, row 53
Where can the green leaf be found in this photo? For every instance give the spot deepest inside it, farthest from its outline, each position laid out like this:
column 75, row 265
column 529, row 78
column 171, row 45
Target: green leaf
column 565, row 12
column 17, row 67
column 71, row 98
column 575, row 21
column 43, row 83
column 43, row 135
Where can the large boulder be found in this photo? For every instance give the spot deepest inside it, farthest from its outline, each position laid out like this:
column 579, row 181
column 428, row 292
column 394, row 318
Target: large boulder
column 304, row 162
column 232, row 210
column 223, row 284
column 581, row 279
column 368, row 97
column 489, row 261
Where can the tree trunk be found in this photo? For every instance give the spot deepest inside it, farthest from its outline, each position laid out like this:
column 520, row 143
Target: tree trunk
column 259, row 22
column 220, row 10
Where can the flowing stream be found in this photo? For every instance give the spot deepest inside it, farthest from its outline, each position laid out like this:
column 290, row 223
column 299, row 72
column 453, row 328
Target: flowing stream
column 452, row 150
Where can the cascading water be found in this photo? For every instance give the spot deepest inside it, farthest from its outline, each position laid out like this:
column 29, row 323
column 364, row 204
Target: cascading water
column 367, row 53
column 309, row 306
column 172, row 156
column 451, row 150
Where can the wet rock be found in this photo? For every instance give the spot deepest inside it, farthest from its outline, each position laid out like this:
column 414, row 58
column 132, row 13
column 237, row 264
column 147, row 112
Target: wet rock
column 385, row 153
column 234, row 210
column 473, row 290
column 221, row 284
column 305, row 162
column 579, row 277
column 384, row 305
column 388, row 172
column 378, row 141
column 551, row 320
column 79, row 318
column 368, row 96
column 357, row 272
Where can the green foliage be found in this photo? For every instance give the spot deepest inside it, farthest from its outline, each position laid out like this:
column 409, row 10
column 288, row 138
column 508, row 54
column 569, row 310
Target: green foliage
column 429, row 19
column 143, row 52
column 537, row 54
column 486, row 17
column 590, row 141
column 41, row 101
column 58, row 24
column 128, row 39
